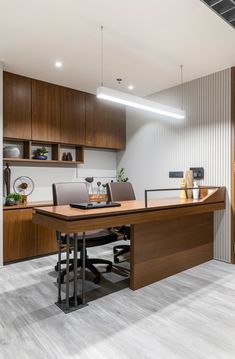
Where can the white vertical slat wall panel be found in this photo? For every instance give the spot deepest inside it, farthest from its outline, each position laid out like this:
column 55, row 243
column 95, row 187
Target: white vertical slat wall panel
column 157, row 146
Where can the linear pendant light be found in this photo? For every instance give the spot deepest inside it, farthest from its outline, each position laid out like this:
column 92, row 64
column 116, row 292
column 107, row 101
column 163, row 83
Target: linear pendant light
column 140, row 103
column 126, row 99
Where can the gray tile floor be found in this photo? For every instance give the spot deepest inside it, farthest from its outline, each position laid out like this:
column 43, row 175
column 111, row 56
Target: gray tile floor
column 189, row 315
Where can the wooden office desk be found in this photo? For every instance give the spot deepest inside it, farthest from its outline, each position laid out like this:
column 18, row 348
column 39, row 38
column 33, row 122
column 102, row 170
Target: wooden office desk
column 169, row 236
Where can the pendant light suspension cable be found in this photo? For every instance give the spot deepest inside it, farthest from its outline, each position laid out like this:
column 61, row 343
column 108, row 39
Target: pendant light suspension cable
column 102, row 56
column 182, row 82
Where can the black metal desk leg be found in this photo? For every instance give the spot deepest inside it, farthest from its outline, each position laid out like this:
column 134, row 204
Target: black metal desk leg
column 67, row 271
column 75, row 268
column 59, row 266
column 83, row 266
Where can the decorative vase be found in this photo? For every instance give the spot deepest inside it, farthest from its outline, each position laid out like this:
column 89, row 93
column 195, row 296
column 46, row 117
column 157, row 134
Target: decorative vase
column 11, row 152
column 7, row 178
column 64, row 156
column 40, row 157
column 69, row 157
column 10, row 202
column 195, row 190
column 89, row 181
column 189, row 183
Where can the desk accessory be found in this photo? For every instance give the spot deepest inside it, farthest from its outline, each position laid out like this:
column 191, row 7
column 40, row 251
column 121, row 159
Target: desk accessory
column 24, row 186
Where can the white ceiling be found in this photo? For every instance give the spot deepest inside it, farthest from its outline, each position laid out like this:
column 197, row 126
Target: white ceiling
column 145, row 41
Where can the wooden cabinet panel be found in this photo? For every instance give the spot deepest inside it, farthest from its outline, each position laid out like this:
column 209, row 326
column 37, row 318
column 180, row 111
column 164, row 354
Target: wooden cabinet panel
column 16, row 106
column 46, row 241
column 45, row 111
column 115, row 117
column 19, row 235
column 23, row 239
column 72, row 116
column 105, row 124
column 40, row 111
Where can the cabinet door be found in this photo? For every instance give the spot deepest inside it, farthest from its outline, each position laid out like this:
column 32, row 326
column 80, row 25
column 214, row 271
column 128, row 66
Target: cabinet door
column 46, row 241
column 105, row 124
column 19, row 235
column 16, row 106
column 72, row 116
column 45, row 111
column 115, row 118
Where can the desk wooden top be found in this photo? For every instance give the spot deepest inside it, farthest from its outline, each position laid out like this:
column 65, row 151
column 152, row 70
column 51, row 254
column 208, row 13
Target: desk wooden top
column 68, row 213
column 72, row 220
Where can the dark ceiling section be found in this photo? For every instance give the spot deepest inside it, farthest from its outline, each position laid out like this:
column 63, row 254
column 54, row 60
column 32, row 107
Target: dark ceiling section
column 224, row 8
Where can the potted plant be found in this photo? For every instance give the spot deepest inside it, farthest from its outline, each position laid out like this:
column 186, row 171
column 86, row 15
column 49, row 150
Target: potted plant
column 40, row 153
column 14, row 199
column 121, row 177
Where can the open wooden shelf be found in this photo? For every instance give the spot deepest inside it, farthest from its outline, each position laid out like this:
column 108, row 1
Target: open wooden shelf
column 42, row 162
column 55, row 153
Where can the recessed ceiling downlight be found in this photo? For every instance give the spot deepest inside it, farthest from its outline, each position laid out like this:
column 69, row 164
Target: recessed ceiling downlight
column 58, row 64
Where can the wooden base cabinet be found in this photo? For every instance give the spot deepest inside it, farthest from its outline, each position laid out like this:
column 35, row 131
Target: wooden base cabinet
column 46, row 241
column 22, row 239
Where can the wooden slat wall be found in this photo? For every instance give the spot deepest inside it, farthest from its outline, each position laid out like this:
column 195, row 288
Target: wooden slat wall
column 156, row 146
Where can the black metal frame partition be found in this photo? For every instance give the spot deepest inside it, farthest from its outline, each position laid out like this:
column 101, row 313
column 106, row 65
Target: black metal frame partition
column 146, row 191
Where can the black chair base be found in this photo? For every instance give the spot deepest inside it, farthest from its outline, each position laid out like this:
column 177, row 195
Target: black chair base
column 119, row 251
column 89, row 265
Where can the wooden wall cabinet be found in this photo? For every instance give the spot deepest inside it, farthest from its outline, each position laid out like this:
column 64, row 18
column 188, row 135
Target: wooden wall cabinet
column 22, row 238
column 72, row 126
column 45, row 111
column 16, row 106
column 105, row 124
column 40, row 111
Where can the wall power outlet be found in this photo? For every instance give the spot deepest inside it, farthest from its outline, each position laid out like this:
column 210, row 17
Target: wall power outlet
column 198, row 172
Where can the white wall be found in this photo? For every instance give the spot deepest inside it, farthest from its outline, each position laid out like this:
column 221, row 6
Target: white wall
column 98, row 163
column 157, row 146
column 1, row 120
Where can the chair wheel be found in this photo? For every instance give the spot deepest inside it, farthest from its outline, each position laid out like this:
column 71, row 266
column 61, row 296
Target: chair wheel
column 96, row 279
column 116, row 260
column 109, row 268
column 56, row 267
column 61, row 280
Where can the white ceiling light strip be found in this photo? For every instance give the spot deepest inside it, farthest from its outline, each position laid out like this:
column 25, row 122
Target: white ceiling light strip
column 140, row 103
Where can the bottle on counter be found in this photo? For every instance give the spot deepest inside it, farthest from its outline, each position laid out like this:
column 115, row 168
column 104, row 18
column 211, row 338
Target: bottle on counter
column 183, row 194
column 195, row 190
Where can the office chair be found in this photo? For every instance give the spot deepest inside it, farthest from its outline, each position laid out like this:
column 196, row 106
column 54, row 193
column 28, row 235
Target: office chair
column 64, row 194
column 121, row 191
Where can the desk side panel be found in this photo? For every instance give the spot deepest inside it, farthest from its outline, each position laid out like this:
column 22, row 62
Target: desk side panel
column 162, row 248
